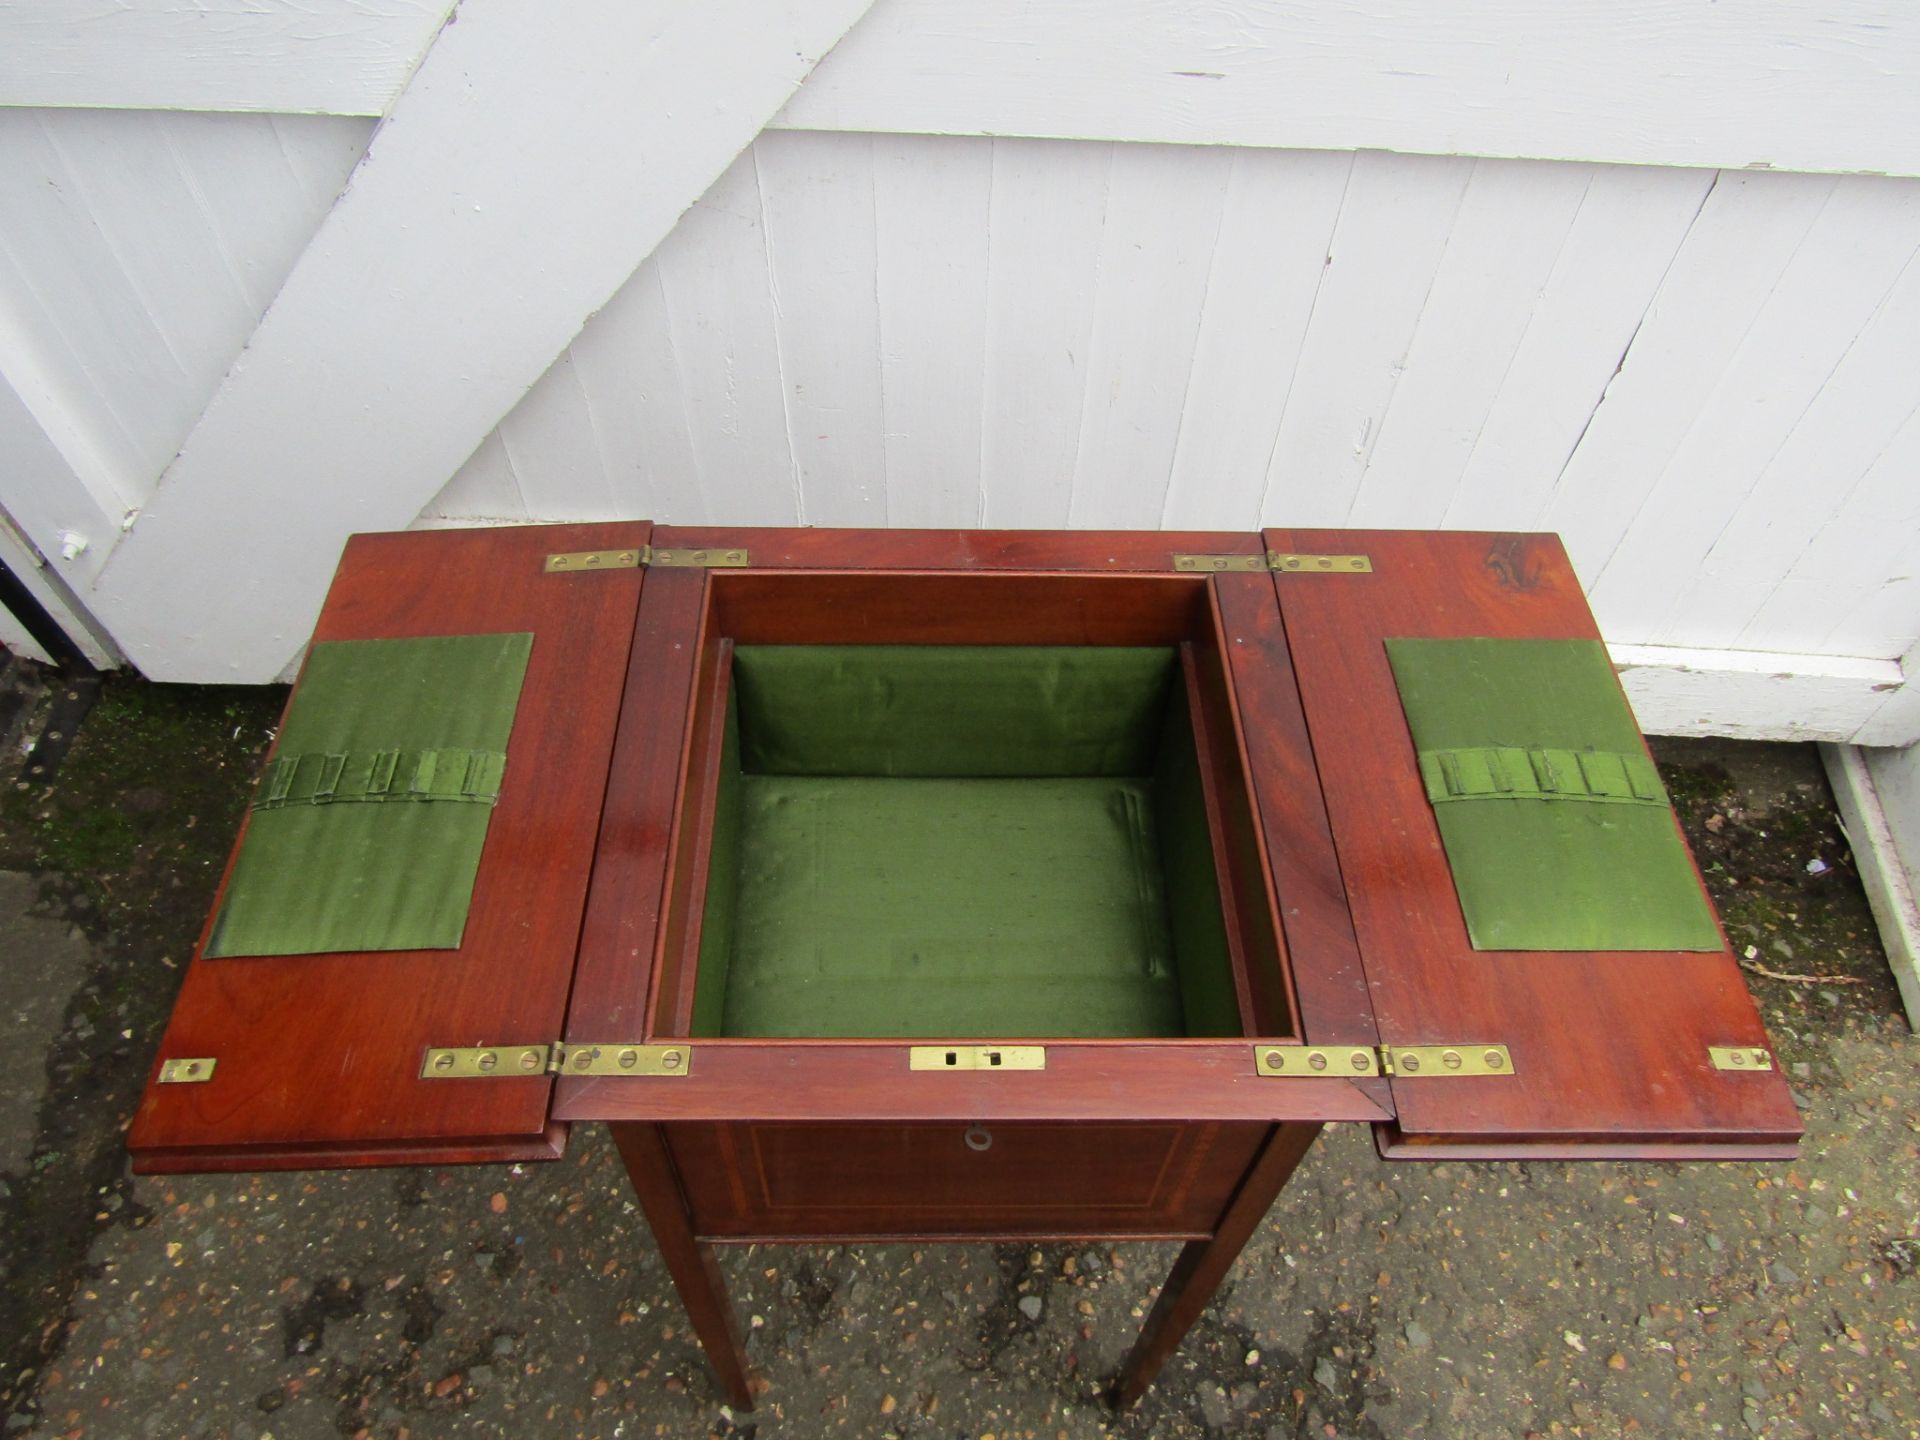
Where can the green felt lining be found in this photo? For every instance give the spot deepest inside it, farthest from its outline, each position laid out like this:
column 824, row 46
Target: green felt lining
column 1185, row 848
column 961, row 841
column 315, row 878
column 1584, row 853
column 951, row 711
column 879, row 907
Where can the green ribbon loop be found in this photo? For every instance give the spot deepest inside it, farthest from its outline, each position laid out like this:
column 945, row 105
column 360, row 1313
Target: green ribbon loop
column 1511, row 772
column 358, row 777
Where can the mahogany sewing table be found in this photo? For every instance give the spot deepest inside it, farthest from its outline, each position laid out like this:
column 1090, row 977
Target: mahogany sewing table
column 1312, row 964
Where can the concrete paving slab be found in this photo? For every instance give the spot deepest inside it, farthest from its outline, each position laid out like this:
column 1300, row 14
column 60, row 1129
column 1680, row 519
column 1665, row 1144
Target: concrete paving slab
column 43, row 960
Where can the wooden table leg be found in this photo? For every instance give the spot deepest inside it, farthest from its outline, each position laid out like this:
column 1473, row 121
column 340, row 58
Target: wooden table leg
column 1204, row 1263
column 691, row 1263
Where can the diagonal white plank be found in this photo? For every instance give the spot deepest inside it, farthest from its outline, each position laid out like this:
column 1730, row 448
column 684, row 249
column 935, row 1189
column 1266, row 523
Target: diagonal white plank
column 534, row 161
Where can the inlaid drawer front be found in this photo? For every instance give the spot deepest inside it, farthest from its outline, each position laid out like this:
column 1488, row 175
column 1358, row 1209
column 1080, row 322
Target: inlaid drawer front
column 988, row 1178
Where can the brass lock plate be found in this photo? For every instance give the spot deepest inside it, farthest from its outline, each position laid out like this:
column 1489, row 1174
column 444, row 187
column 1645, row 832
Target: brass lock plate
column 977, row 1057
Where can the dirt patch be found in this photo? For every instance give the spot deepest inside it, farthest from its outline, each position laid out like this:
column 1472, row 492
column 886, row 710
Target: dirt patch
column 127, row 845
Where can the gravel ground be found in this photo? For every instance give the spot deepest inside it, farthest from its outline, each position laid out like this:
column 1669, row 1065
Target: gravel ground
column 1452, row 1299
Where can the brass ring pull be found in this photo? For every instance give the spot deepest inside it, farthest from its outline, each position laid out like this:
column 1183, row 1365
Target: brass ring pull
column 978, row 1137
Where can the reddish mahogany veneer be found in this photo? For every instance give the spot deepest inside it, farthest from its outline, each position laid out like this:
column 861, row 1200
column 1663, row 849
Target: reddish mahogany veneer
column 319, row 1055
column 1343, row 923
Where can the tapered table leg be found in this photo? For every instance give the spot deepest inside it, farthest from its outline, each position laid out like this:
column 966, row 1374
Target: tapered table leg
column 1203, row 1264
column 696, row 1274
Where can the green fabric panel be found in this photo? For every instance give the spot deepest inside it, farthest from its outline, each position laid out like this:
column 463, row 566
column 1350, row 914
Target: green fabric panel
column 1538, row 875
column 926, row 711
column 950, row 909
column 1205, row 964
column 723, row 888
column 314, row 878
column 1505, row 772
column 341, row 778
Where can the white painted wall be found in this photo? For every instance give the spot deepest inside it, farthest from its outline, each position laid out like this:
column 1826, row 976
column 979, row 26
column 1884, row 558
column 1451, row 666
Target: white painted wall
column 1704, row 377
column 138, row 251
column 1706, row 382
column 319, row 57
column 1806, row 85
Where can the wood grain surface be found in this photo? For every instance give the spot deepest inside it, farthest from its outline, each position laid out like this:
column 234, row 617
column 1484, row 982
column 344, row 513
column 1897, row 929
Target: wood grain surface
column 319, row 1055
column 1609, row 1049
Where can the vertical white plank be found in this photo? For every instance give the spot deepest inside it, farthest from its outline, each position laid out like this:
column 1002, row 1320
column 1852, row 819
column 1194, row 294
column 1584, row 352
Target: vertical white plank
column 1733, row 255
column 1156, row 252
column 1839, row 275
column 1268, row 264
column 627, row 366
column 320, row 152
column 719, row 303
column 483, row 489
column 1630, row 223
column 1850, row 591
column 1896, row 721
column 137, row 252
column 73, row 315
column 55, row 597
column 551, row 441
column 1824, row 380
column 817, row 195
column 1506, row 240
column 43, row 494
column 261, row 184
column 1387, row 244
column 931, row 197
column 1048, row 203
column 1887, row 621
column 128, row 175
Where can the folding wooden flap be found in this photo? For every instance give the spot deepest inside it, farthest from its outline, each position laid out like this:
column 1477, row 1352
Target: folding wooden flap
column 283, row 1060
column 1611, row 1050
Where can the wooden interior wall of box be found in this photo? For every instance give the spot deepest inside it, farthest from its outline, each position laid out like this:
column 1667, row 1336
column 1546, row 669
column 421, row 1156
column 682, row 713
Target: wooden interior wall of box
column 1166, row 773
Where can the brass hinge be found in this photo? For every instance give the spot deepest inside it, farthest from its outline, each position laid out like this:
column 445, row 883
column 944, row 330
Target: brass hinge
column 1219, row 564
column 675, row 1059
column 1311, row 1060
column 1440, row 1061
column 187, row 1072
column 480, row 1062
column 1274, row 560
column 575, row 561
column 698, row 559
column 1739, row 1057
column 578, row 560
column 977, row 1057
column 1405, row 1061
